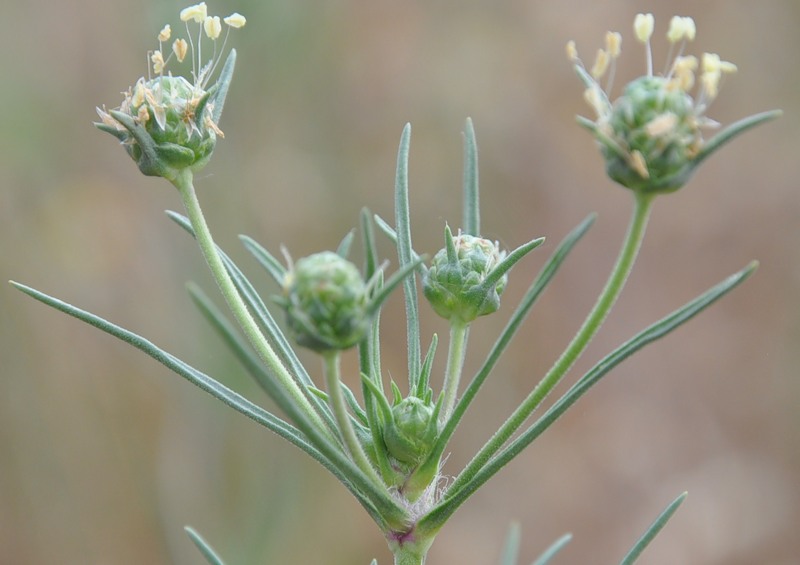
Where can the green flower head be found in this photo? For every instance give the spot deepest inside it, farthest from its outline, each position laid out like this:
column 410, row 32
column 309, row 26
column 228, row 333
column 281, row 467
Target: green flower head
column 326, row 302
column 168, row 123
column 652, row 136
column 458, row 284
column 412, row 430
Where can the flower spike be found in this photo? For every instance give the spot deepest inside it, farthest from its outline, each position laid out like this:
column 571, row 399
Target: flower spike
column 652, row 137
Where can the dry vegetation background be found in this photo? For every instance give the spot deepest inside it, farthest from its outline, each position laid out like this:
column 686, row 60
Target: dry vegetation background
column 104, row 455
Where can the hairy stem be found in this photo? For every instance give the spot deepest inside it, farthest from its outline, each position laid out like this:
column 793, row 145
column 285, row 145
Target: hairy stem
column 339, row 407
column 237, row 306
column 459, row 332
column 592, row 323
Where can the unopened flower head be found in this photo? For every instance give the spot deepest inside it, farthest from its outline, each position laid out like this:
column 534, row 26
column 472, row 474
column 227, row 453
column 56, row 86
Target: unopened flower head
column 652, row 135
column 455, row 284
column 326, row 302
column 170, row 123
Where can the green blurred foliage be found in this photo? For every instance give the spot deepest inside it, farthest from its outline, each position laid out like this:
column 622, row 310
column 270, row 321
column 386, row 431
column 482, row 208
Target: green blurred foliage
column 105, row 456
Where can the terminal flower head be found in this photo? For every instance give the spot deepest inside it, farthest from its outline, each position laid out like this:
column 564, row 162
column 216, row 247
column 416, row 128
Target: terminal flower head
column 169, row 123
column 652, row 136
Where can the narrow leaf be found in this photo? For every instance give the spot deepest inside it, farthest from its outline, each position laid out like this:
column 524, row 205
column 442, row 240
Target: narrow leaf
column 439, row 514
column 511, row 548
column 539, row 284
column 471, row 219
column 404, row 254
column 270, row 264
column 207, row 551
column 550, row 552
column 375, row 501
column 652, row 531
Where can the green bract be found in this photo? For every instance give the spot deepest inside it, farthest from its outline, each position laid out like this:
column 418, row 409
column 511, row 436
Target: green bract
column 325, row 299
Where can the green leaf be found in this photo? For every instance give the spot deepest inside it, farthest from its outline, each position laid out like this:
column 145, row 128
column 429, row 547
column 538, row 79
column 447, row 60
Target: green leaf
column 344, row 246
column 733, row 131
column 472, row 215
column 405, row 256
column 551, row 551
column 378, row 504
column 511, row 548
column 207, row 551
column 652, row 531
column 511, row 259
column 265, row 259
column 539, row 284
column 222, row 85
column 453, row 499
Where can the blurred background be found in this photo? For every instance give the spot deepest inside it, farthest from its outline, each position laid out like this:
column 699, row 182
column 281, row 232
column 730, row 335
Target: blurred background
column 105, row 455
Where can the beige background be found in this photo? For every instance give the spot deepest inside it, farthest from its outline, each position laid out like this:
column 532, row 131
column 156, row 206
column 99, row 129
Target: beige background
column 104, row 455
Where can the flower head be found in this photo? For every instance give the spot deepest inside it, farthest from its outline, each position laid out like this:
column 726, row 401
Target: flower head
column 326, row 302
column 458, row 284
column 652, row 135
column 169, row 123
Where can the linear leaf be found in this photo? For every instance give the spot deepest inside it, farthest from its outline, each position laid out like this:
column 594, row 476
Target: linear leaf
column 652, row 531
column 207, row 551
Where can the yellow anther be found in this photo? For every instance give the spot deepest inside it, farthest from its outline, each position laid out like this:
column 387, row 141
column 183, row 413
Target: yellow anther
column 209, row 123
column 613, row 44
column 137, row 98
column 595, row 98
column 180, row 48
column 683, row 73
column 143, row 115
column 158, row 62
column 711, row 63
column 710, row 82
column 235, row 20
column 643, row 26
column 165, row 33
column 600, row 64
column 198, row 13
column 727, row 67
column 681, row 28
column 572, row 51
column 661, row 124
column 212, row 27
column 638, row 164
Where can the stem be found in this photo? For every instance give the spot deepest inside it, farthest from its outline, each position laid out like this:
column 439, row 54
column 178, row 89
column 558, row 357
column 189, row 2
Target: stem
column 237, row 306
column 607, row 298
column 459, row 332
column 338, row 406
column 412, row 550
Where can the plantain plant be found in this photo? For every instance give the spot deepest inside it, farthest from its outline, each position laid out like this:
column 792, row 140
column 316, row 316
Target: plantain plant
column 386, row 442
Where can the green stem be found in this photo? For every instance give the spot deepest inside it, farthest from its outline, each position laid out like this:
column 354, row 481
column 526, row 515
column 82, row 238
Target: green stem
column 614, row 285
column 411, row 551
column 237, row 306
column 334, row 384
column 459, row 332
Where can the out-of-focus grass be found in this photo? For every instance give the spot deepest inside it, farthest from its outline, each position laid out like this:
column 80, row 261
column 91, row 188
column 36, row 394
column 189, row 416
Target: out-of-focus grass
column 105, row 456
